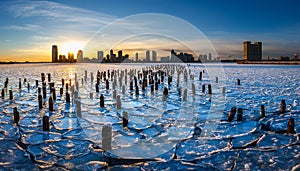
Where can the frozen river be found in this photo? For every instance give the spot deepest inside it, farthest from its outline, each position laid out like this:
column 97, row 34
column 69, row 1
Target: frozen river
column 187, row 128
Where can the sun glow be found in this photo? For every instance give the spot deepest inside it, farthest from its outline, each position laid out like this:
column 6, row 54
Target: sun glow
column 72, row 47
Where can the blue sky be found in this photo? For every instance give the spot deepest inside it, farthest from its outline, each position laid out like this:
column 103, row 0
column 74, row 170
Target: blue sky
column 29, row 28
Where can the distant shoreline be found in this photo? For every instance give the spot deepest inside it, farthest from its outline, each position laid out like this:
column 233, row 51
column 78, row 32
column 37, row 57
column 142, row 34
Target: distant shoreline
column 270, row 62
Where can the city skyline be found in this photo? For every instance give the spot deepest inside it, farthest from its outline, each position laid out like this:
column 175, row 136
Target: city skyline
column 28, row 28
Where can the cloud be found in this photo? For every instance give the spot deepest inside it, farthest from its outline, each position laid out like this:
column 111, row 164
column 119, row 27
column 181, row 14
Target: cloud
column 56, row 11
column 26, row 27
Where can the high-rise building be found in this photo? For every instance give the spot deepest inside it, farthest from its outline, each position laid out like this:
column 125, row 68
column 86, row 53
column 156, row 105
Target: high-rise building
column 252, row 52
column 147, row 56
column 209, row 57
column 80, row 56
column 154, row 56
column 100, row 56
column 136, row 57
column 54, row 53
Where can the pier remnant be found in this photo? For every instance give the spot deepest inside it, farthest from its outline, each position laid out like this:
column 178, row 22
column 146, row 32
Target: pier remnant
column 106, row 137
column 291, row 126
column 231, row 114
column 46, row 124
column 240, row 114
column 125, row 119
column 16, row 115
column 101, row 100
column 282, row 106
column 262, row 111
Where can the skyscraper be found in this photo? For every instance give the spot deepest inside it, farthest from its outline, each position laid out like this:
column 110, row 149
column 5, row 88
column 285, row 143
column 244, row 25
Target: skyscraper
column 209, row 57
column 136, row 57
column 100, row 56
column 54, row 53
column 252, row 52
column 154, row 56
column 80, row 56
column 147, row 56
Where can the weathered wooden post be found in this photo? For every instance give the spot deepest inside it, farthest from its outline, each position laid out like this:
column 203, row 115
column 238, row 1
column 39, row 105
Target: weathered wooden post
column 97, row 87
column 193, row 89
column 184, row 98
column 50, row 104
column 78, row 108
column 262, row 111
column 107, row 84
column 291, row 126
column 10, row 95
column 106, row 137
column 200, row 76
column 46, row 124
column 231, row 114
column 282, row 106
column 240, row 114
column 209, row 89
column 137, row 90
column 49, row 77
column 203, row 88
column 125, row 119
column 217, row 80
column 118, row 104
column 36, row 83
column 44, row 92
column 101, row 100
column 223, row 90
column 238, row 82
column 40, row 100
column 16, row 116
column 20, row 83
column 68, row 100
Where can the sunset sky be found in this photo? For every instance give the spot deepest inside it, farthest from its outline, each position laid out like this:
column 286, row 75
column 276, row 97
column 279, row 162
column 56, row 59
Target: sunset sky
column 30, row 28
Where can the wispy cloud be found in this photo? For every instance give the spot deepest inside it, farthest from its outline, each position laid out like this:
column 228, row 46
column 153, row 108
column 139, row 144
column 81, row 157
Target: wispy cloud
column 57, row 11
column 26, row 27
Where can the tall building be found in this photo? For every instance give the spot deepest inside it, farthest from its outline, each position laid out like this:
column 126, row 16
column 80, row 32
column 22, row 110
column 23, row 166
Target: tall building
column 80, row 56
column 136, row 57
column 209, row 57
column 54, row 53
column 252, row 52
column 147, row 56
column 100, row 56
column 112, row 56
column 154, row 56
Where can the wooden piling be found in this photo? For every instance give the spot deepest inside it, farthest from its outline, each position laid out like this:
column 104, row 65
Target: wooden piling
column 40, row 101
column 107, row 84
column 240, row 114
column 282, row 106
column 106, row 137
column 50, row 104
column 68, row 100
column 101, row 100
column 262, row 111
column 209, row 89
column 125, row 119
column 231, row 114
column 10, row 95
column 203, row 88
column 291, row 126
column 46, row 125
column 16, row 116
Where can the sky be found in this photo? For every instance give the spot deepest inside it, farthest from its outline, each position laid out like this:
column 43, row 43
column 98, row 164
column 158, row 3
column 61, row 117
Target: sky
column 30, row 28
